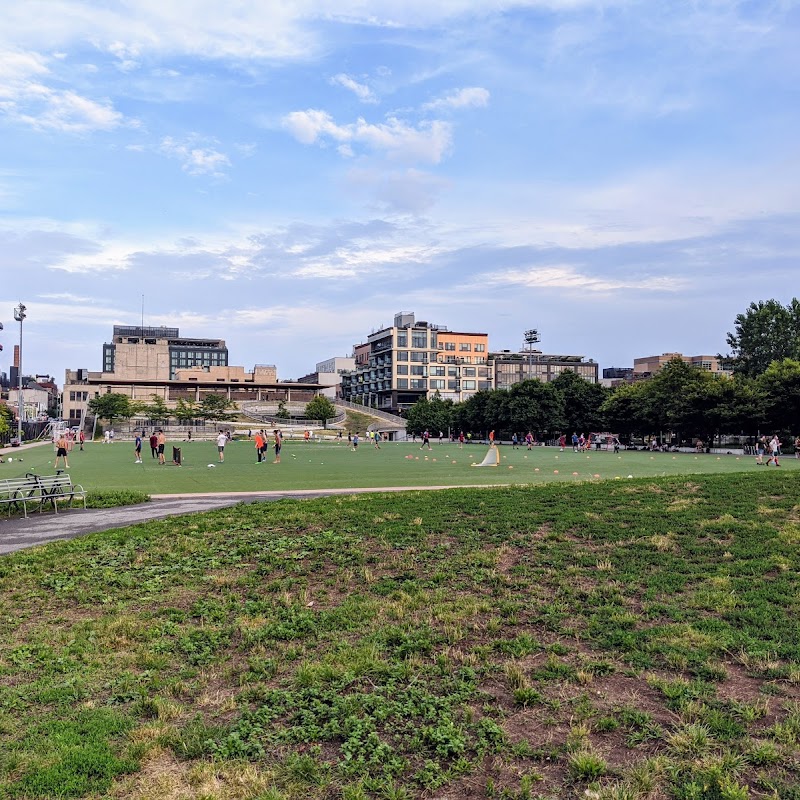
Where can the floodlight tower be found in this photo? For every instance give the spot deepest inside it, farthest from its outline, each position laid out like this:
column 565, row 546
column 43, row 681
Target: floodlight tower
column 531, row 338
column 19, row 316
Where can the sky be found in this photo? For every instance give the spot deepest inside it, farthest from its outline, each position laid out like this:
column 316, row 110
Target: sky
column 622, row 175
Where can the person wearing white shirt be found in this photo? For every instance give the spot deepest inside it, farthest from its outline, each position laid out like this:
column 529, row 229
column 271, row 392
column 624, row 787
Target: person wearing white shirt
column 222, row 440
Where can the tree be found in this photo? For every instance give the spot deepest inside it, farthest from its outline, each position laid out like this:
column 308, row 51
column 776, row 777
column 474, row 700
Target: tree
column 780, row 386
column 432, row 414
column 535, row 406
column 6, row 419
column 186, row 410
column 213, row 407
column 157, row 409
column 624, row 408
column 110, row 406
column 766, row 332
column 582, row 402
column 320, row 408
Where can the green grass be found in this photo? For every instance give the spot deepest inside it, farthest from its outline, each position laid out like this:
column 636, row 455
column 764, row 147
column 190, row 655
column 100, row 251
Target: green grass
column 331, row 465
column 626, row 639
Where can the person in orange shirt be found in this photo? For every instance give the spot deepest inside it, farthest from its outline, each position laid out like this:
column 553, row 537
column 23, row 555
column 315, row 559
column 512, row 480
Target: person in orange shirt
column 259, row 440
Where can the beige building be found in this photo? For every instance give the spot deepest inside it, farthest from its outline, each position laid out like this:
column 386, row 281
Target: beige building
column 143, row 362
column 649, row 365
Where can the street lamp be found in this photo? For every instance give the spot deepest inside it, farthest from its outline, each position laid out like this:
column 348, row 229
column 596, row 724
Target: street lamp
column 531, row 338
column 19, row 316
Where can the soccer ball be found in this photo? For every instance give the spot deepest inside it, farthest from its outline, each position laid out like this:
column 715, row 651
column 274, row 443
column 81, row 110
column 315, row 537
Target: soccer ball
column 211, row 466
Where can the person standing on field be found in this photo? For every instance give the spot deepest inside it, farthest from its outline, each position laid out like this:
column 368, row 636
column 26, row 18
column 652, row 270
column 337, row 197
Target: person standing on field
column 154, row 445
column 61, row 451
column 259, row 440
column 222, row 440
column 137, row 449
column 278, row 445
column 162, row 443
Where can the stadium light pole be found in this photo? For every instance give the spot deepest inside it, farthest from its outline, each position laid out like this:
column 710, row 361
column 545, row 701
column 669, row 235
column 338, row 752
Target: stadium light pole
column 19, row 316
column 531, row 338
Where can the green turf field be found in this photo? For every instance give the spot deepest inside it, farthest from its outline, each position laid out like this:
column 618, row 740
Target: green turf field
column 329, row 465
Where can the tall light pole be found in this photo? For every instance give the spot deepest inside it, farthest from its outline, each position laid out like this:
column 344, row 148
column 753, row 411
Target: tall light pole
column 19, row 316
column 531, row 338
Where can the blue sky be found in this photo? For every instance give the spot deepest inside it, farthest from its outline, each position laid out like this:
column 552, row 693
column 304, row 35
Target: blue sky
column 622, row 175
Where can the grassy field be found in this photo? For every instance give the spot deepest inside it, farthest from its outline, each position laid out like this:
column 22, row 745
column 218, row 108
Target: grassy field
column 329, row 465
column 633, row 639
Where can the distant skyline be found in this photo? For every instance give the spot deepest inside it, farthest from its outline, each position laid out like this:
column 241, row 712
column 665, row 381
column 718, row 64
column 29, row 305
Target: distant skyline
column 623, row 176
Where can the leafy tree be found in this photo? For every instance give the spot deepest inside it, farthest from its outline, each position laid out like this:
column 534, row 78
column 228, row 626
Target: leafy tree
column 157, row 408
column 582, row 401
column 780, row 386
column 111, row 406
column 320, row 408
column 282, row 413
column 213, row 407
column 186, row 410
column 534, row 406
column 6, row 420
column 623, row 410
column 766, row 332
column 432, row 414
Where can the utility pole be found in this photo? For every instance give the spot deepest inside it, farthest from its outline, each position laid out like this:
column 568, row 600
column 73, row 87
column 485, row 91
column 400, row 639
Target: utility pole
column 19, row 316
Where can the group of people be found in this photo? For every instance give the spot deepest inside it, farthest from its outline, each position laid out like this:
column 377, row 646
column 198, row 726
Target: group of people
column 262, row 445
column 773, row 447
column 157, row 442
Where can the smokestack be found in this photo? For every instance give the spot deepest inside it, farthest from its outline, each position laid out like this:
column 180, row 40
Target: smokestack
column 16, row 356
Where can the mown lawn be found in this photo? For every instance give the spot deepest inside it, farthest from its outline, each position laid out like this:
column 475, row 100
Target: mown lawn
column 312, row 466
column 634, row 639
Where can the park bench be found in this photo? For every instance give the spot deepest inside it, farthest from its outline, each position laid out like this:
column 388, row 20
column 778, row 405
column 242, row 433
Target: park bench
column 39, row 491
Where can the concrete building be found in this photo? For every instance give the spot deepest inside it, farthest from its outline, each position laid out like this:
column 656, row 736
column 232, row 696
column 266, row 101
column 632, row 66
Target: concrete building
column 649, row 365
column 328, row 374
column 143, row 362
column 515, row 367
column 411, row 359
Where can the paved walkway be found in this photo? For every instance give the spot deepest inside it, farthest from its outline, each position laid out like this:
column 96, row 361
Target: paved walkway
column 19, row 533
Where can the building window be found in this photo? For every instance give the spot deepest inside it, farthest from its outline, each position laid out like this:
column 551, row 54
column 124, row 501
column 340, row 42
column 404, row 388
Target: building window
column 417, row 370
column 402, row 339
column 466, row 359
column 402, row 383
column 418, row 383
column 464, row 347
column 419, row 356
column 402, row 355
column 437, row 371
column 402, row 369
column 480, row 360
column 468, row 385
column 453, row 385
column 480, row 348
column 449, row 345
column 469, row 372
column 437, row 384
column 419, row 340
column 452, row 372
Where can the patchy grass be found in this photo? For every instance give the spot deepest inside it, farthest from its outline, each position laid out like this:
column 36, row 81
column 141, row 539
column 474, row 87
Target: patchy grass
column 607, row 640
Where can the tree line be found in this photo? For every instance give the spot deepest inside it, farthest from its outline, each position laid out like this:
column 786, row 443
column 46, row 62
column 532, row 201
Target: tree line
column 762, row 394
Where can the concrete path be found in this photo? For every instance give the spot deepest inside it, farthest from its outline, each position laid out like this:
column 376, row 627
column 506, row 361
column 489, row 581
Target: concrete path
column 19, row 533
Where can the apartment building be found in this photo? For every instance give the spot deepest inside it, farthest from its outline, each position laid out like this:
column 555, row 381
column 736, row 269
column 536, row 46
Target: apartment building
column 411, row 359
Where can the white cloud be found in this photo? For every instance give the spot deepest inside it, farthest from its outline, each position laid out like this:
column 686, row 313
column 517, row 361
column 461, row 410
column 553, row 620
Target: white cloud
column 566, row 276
column 25, row 98
column 195, row 159
column 361, row 90
column 429, row 142
column 468, row 97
